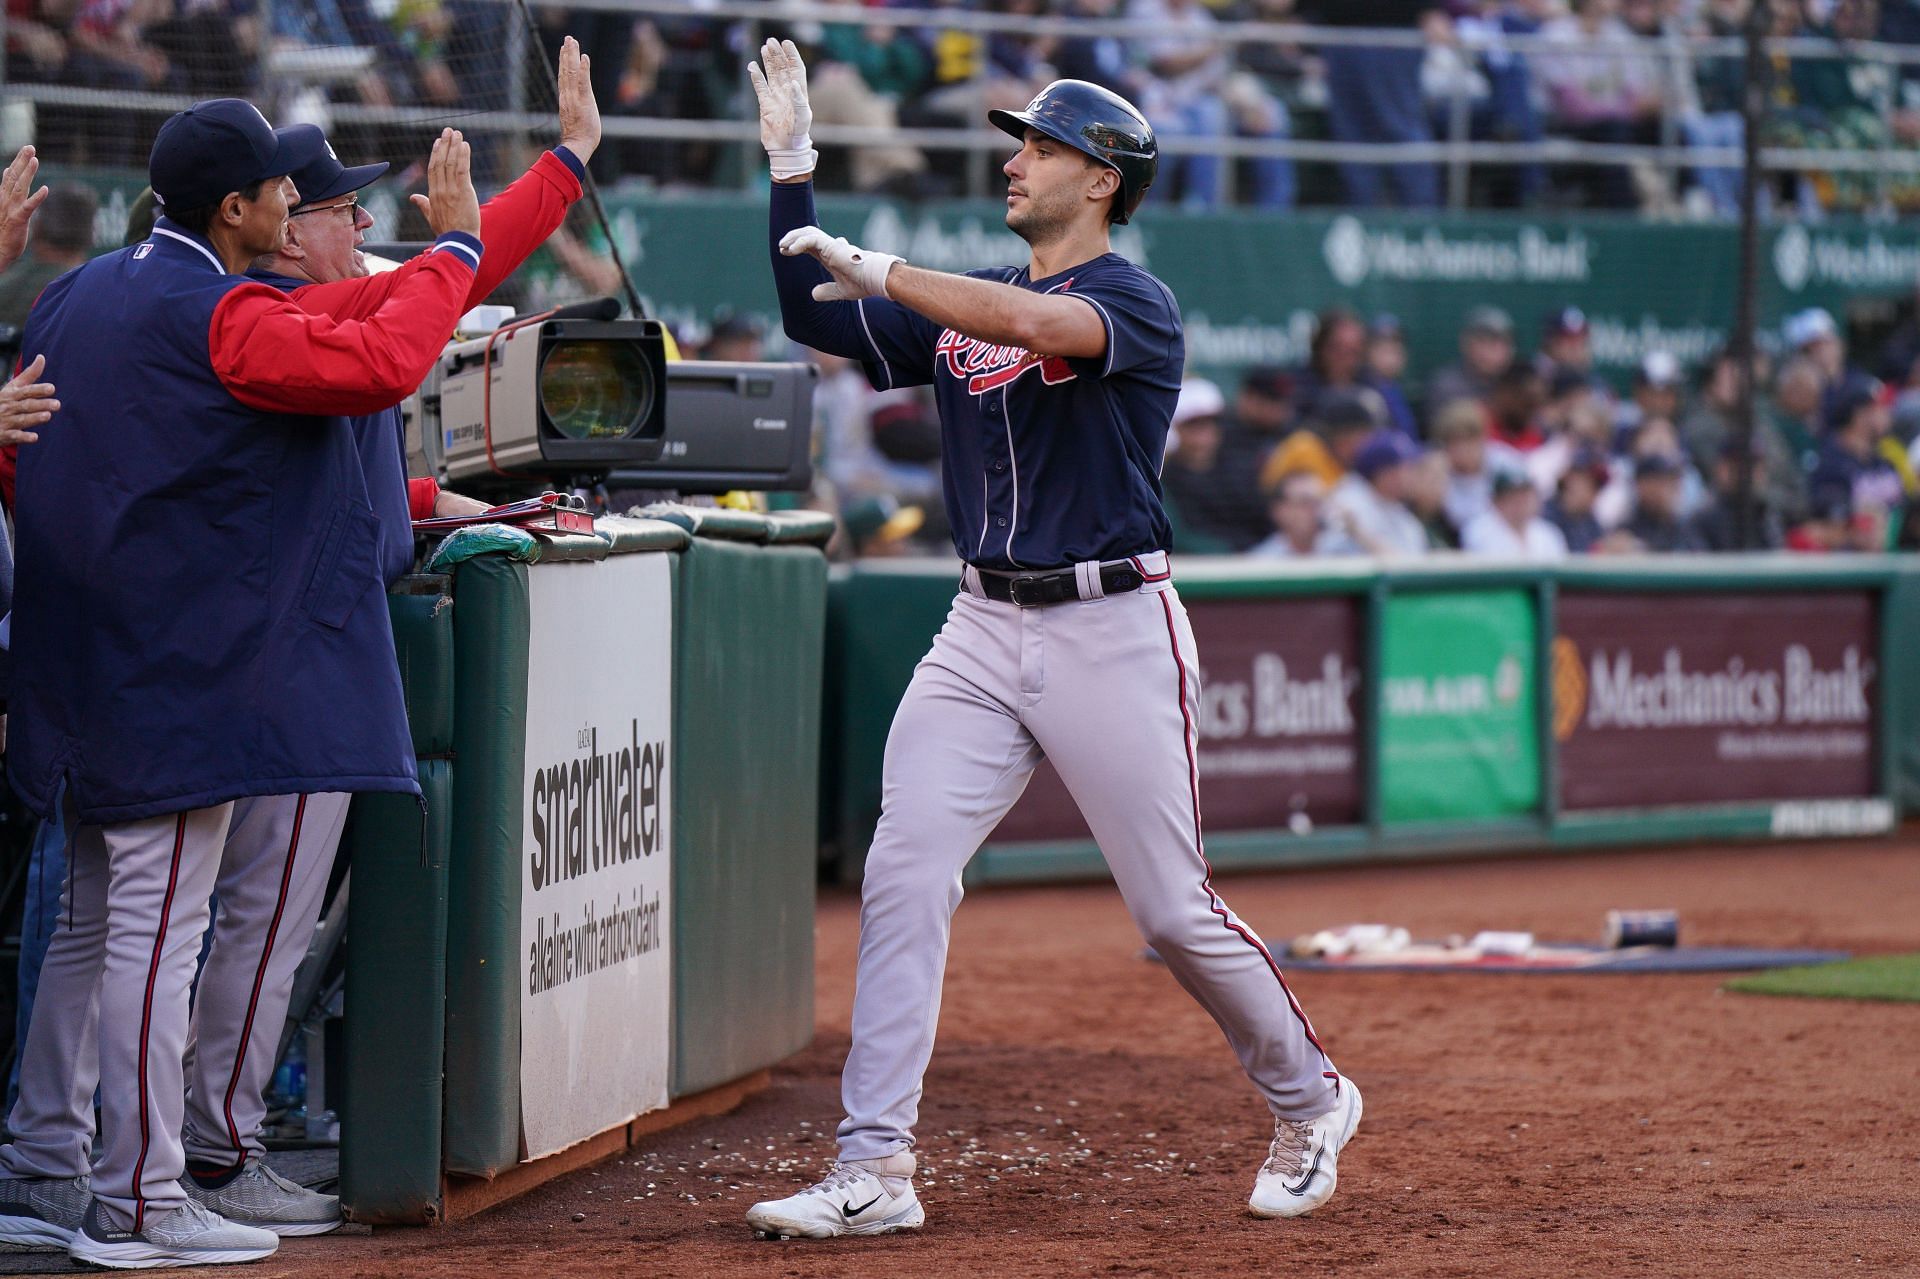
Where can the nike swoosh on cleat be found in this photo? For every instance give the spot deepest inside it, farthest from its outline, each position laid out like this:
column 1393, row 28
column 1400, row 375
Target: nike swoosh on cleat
column 850, row 1212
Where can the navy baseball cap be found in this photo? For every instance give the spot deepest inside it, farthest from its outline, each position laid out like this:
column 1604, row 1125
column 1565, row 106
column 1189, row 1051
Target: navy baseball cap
column 324, row 177
column 220, row 146
column 1384, row 449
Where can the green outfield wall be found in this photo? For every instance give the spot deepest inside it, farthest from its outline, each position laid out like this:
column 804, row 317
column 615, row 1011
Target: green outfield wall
column 1354, row 710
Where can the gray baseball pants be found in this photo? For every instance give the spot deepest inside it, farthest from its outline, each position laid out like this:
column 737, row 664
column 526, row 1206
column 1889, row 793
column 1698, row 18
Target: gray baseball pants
column 1108, row 689
column 112, row 1005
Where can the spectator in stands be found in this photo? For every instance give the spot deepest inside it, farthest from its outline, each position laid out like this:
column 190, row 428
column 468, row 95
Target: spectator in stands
column 734, row 336
column 878, row 443
column 1386, row 365
column 1602, row 86
column 1284, row 70
column 1655, row 436
column 1571, row 509
column 1256, row 430
column 1796, row 396
column 1373, row 96
column 1656, row 391
column 1486, row 351
column 1717, row 524
column 1711, row 423
column 1567, row 390
column 1339, row 425
column 1852, row 473
column 212, row 47
column 1656, row 523
column 1712, row 118
column 879, row 527
column 1505, row 107
column 1196, row 93
column 966, row 77
column 62, row 239
column 1369, row 507
column 1513, row 407
column 1511, row 528
column 1460, row 435
column 1813, row 335
column 1299, row 524
column 861, row 76
column 1427, row 480
column 1337, row 363
column 1099, row 59
column 36, row 43
column 1208, row 516
column 1566, row 345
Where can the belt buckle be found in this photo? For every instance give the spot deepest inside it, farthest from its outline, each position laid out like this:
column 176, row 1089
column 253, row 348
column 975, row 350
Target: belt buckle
column 1018, row 595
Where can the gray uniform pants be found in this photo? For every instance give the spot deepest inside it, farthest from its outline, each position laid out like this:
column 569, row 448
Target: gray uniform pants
column 1108, row 690
column 112, row 1006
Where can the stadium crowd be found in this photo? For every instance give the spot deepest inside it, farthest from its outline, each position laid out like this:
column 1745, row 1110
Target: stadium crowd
column 1609, row 71
column 1511, row 452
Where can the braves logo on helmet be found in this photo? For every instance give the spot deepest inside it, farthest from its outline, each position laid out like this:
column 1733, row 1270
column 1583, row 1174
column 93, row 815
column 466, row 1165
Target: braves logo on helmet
column 988, row 366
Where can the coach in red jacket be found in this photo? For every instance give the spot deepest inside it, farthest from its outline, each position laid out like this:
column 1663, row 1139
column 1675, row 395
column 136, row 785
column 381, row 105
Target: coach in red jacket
column 271, row 888
column 199, row 605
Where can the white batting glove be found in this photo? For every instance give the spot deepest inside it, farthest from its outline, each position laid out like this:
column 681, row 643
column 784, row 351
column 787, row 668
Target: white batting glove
column 857, row 272
column 786, row 118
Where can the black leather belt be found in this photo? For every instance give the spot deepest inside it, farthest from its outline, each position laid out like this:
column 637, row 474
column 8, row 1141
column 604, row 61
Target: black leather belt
column 1062, row 586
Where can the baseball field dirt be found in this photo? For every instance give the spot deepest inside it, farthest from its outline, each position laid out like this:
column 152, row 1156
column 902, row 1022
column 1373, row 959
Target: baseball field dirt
column 1083, row 1117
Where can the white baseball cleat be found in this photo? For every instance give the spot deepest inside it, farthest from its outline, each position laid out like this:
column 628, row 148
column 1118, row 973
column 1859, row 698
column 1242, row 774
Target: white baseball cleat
column 1302, row 1165
column 859, row 1197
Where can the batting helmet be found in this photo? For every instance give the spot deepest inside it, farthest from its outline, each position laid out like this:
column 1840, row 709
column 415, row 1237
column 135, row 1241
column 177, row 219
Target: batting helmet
column 1104, row 125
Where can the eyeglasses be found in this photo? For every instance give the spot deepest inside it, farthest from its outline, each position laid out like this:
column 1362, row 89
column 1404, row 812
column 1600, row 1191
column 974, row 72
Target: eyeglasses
column 351, row 205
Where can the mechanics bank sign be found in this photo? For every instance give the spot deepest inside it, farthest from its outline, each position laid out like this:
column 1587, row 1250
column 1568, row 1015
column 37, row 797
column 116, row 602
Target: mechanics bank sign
column 1356, row 252
column 1760, row 698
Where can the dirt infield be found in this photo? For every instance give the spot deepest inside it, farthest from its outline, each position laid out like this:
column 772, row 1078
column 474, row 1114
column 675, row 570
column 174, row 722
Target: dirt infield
column 1083, row 1117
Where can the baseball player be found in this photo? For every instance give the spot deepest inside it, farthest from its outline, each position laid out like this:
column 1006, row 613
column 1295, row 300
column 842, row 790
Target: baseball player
column 1055, row 382
column 199, row 604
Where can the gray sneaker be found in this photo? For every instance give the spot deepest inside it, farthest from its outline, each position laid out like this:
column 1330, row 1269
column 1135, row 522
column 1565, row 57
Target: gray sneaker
column 185, row 1236
column 261, row 1197
column 42, row 1212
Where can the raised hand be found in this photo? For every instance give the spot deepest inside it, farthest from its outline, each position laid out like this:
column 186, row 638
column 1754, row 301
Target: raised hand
column 786, row 117
column 26, row 402
column 18, row 200
column 451, row 203
column 579, row 112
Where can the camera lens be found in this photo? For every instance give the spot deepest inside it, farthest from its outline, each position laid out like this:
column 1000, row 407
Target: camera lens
column 596, row 390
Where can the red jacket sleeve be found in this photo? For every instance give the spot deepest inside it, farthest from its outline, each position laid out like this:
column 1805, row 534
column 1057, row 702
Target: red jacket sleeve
column 512, row 225
column 272, row 353
column 421, row 495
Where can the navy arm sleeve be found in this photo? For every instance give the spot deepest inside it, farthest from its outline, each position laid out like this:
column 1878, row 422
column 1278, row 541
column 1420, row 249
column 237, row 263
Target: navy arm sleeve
column 894, row 345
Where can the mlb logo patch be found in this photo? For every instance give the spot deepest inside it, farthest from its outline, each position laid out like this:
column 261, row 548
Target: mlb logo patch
column 143, row 250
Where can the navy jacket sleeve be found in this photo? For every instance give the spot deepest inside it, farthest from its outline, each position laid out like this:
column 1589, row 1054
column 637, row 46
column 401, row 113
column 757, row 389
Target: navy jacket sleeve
column 893, row 344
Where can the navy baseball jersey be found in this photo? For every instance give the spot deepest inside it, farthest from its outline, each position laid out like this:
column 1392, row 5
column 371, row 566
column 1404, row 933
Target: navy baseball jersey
column 1046, row 462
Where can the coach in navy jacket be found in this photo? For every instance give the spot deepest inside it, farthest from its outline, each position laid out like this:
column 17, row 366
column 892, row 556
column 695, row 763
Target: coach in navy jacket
column 198, row 611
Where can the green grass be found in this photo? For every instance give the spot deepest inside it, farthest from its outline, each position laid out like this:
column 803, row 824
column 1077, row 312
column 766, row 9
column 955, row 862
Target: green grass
column 1891, row 977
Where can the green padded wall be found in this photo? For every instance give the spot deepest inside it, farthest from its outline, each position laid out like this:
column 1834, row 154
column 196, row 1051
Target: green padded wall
column 888, row 616
column 392, row 1100
column 749, row 627
column 483, row 1004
